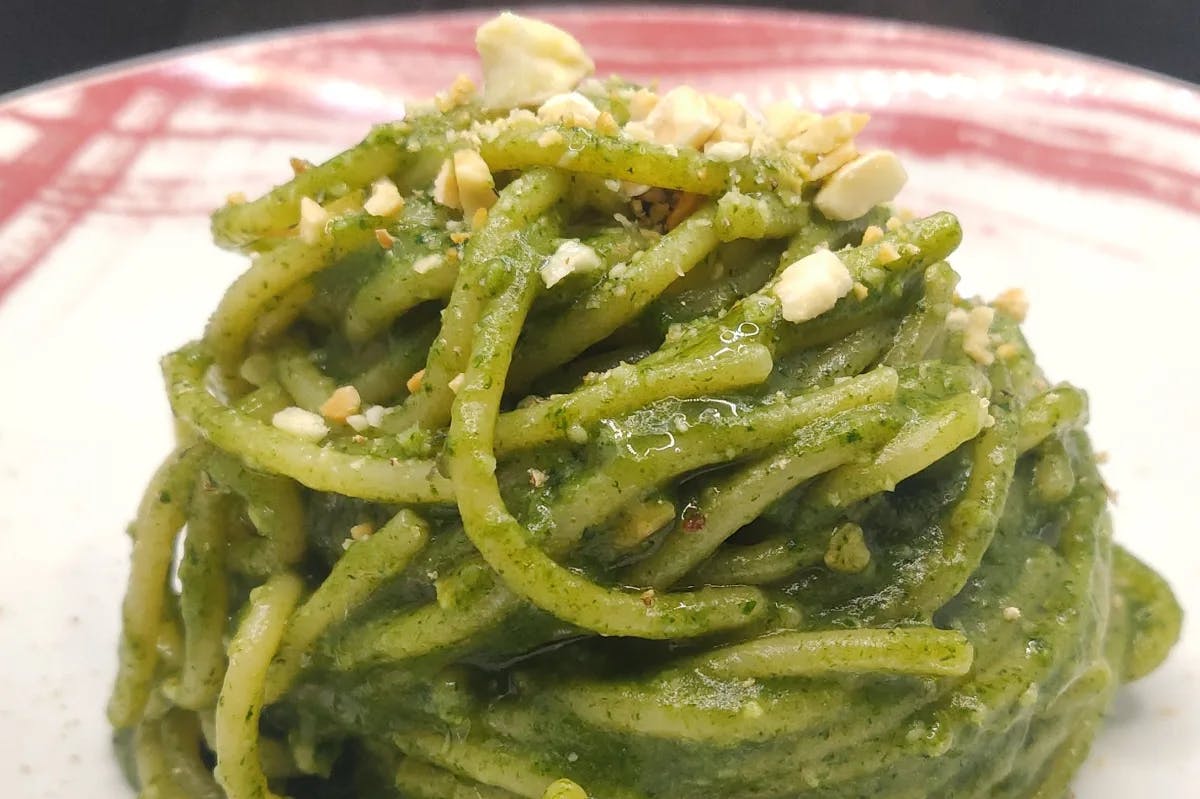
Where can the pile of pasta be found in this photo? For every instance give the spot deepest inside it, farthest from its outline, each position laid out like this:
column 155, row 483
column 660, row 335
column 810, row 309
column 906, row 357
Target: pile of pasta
column 568, row 439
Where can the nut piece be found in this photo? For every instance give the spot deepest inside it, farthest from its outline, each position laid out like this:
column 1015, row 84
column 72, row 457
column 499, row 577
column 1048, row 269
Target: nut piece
column 1013, row 303
column 974, row 325
column 465, row 182
column 385, row 199
column 812, row 286
column 301, row 423
column 313, row 219
column 683, row 117
column 342, row 403
column 571, row 256
column 860, row 185
column 572, row 108
column 526, row 61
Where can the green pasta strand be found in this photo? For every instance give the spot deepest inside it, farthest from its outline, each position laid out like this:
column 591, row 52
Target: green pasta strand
column 523, row 483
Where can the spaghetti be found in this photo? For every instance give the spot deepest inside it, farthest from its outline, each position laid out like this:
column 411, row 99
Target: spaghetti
column 630, row 448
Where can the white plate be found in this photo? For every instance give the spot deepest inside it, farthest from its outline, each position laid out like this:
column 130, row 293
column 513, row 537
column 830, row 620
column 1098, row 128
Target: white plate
column 1078, row 180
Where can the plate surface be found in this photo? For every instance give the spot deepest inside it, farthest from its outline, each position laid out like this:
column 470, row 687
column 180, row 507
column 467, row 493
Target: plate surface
column 1076, row 179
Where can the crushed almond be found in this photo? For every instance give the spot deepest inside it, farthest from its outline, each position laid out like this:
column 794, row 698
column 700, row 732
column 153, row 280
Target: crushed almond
column 313, row 219
column 872, row 234
column 385, row 239
column 457, row 382
column 833, row 161
column 648, row 597
column 606, row 124
column 1007, row 351
column 860, row 291
column 974, row 325
column 459, row 93
column 374, row 415
column 343, row 402
column 299, row 165
column 526, row 61
column 569, row 108
column 813, row 285
column 235, row 198
column 300, row 423
column 459, row 236
column 413, row 383
column 385, row 199
column 1013, row 303
column 427, row 263
column 537, row 478
column 549, row 138
column 682, row 117
column 571, row 256
column 1011, row 613
column 887, row 253
column 860, row 185
column 362, row 531
column 479, row 218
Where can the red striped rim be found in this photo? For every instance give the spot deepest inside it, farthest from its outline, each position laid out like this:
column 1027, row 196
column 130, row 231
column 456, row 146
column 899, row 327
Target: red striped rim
column 933, row 92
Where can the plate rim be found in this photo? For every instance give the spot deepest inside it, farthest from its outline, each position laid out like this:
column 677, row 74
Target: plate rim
column 156, row 59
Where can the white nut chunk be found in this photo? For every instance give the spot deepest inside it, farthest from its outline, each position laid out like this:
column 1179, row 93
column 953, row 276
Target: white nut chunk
column 385, row 199
column 683, row 117
column 571, row 256
column 860, row 185
column 300, row 423
column 526, row 61
column 572, row 108
column 465, row 182
column 812, row 286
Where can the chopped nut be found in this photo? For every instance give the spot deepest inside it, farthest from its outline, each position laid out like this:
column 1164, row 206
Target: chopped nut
column 1011, row 613
column 872, row 234
column 413, row 383
column 893, row 223
column 727, row 151
column 682, row 117
column 384, row 238
column 452, row 254
column 342, row 403
column 526, row 61
column 549, row 139
column 641, row 103
column 1007, row 351
column 606, row 124
column 459, row 236
column 828, row 133
column 301, row 423
column 1013, row 303
column 459, row 93
column 570, row 257
column 479, row 218
column 832, row 161
column 362, row 531
column 457, row 382
column 860, row 291
column 427, row 263
column 359, row 423
column 860, row 185
column 313, row 219
column 374, row 415
column 537, row 478
column 648, row 597
column 385, row 199
column 299, row 165
column 812, row 286
column 570, row 108
column 974, row 325
column 887, row 253
column 235, row 198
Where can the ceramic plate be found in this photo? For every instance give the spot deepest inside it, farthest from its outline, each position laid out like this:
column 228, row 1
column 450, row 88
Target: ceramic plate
column 1076, row 179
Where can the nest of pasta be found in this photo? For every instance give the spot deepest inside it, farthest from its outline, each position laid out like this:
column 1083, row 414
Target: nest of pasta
column 571, row 440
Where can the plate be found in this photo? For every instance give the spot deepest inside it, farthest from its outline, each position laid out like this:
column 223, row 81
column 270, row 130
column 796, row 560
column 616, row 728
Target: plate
column 1076, row 179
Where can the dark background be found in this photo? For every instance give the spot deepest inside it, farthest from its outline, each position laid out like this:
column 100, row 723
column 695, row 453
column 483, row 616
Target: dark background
column 41, row 39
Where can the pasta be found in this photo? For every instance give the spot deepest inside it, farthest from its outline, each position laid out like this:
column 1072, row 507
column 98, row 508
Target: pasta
column 632, row 447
